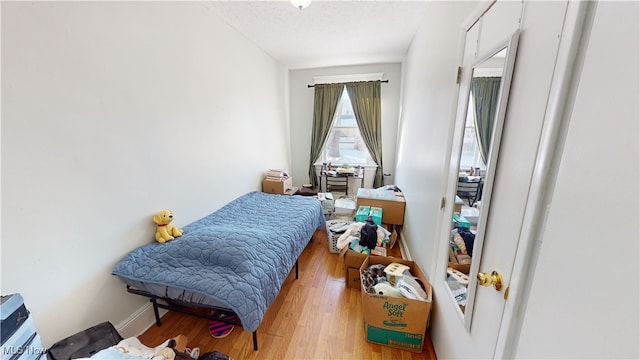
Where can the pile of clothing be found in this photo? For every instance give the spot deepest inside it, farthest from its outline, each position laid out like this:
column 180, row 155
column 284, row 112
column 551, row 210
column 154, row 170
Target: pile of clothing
column 132, row 349
column 461, row 242
column 353, row 237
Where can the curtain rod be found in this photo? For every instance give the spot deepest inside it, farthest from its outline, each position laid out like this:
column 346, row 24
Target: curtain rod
column 382, row 81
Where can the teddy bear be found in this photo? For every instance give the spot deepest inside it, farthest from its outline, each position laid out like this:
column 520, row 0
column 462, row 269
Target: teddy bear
column 165, row 231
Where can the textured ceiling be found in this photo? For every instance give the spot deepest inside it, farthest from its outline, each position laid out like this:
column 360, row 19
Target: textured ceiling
column 327, row 33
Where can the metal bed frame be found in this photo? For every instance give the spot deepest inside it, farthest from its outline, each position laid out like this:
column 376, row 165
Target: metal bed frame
column 183, row 307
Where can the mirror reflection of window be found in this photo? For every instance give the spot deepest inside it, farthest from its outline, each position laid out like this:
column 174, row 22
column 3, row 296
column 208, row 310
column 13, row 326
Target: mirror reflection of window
column 485, row 91
column 470, row 156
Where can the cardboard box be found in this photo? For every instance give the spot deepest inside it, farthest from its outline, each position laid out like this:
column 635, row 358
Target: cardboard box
column 391, row 204
column 353, row 259
column 463, row 268
column 352, row 262
column 395, row 321
column 455, row 264
column 393, row 238
column 277, row 186
column 353, row 278
column 457, row 206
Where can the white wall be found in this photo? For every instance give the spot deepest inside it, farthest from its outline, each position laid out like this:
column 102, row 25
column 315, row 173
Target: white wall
column 301, row 113
column 112, row 111
column 581, row 304
column 584, row 296
column 427, row 116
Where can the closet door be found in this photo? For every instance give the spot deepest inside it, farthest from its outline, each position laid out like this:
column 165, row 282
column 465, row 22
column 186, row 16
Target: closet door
column 478, row 330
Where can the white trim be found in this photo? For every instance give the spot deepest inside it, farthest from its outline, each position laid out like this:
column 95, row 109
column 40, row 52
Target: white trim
column 404, row 250
column 319, row 164
column 347, row 78
column 511, row 44
column 139, row 322
column 560, row 101
column 482, row 7
column 447, row 185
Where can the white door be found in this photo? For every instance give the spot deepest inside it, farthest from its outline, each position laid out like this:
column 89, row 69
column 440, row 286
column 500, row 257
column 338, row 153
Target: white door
column 483, row 330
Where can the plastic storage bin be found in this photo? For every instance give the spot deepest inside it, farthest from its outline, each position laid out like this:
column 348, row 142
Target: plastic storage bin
column 345, row 206
column 332, row 236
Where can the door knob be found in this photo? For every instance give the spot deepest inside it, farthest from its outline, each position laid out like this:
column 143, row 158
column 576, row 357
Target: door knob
column 494, row 279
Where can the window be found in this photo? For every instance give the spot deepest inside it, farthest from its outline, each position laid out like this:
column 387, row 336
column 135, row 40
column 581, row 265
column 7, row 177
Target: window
column 344, row 144
column 470, row 156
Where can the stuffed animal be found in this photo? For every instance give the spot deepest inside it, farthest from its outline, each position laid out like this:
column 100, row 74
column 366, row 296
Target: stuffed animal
column 165, row 231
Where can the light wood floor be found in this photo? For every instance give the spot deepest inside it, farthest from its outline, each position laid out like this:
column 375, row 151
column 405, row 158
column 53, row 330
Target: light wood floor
column 313, row 317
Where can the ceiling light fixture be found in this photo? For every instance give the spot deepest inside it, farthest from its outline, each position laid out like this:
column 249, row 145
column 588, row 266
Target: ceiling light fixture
column 300, row 4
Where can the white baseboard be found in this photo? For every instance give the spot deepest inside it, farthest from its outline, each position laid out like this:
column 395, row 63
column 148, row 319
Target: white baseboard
column 404, row 250
column 139, row 322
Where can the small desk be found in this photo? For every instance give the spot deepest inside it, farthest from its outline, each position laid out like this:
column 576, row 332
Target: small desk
column 323, row 179
column 392, row 205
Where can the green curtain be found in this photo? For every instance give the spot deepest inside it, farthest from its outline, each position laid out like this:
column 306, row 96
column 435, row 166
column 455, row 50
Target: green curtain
column 365, row 99
column 325, row 104
column 485, row 91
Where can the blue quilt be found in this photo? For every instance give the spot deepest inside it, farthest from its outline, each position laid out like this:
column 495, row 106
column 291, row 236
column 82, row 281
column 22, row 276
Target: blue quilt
column 239, row 255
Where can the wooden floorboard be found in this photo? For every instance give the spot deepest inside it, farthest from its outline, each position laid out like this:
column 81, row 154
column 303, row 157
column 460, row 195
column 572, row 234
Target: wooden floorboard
column 314, row 317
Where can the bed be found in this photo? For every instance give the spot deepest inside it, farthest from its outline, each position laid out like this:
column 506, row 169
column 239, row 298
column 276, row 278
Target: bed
column 233, row 261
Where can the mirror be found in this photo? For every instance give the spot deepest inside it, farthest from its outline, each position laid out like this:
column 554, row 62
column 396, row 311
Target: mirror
column 486, row 104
